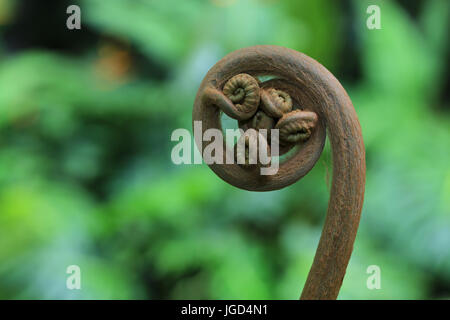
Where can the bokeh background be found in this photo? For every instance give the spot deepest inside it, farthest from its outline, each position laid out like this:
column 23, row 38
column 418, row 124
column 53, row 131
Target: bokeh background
column 86, row 176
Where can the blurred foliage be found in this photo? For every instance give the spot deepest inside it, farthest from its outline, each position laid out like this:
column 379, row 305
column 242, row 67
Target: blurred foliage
column 85, row 170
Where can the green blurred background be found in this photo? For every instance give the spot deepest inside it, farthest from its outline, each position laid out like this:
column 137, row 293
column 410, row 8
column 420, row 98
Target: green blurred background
column 86, row 176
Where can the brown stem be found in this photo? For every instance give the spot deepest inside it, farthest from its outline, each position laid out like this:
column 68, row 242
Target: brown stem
column 347, row 193
column 312, row 88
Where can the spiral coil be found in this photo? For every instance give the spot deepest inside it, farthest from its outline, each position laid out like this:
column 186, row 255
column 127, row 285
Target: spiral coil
column 303, row 101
